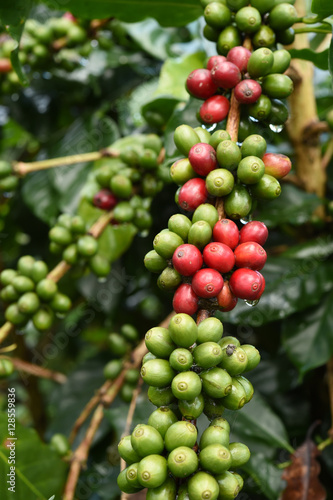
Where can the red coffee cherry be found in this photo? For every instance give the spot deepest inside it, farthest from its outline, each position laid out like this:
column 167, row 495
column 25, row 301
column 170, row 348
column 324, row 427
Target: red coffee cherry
column 254, row 231
column 250, row 254
column 246, row 284
column 226, row 299
column 185, row 300
column 200, row 84
column 105, row 199
column 215, row 109
column 187, row 259
column 219, row 256
column 192, row 194
column 247, row 91
column 202, row 158
column 207, row 283
column 212, row 61
column 226, row 75
column 239, row 56
column 276, row 165
column 225, row 231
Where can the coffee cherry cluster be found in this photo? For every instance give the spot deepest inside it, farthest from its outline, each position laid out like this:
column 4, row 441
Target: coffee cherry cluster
column 190, row 369
column 69, row 239
column 238, row 174
column 31, row 295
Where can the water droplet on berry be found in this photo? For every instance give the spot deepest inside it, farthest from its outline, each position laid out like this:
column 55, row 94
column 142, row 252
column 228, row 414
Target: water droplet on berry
column 247, row 219
column 251, row 303
column 276, row 128
column 210, row 128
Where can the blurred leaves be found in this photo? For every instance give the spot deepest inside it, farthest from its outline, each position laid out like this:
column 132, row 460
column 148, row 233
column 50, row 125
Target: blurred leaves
column 319, row 59
column 265, row 474
column 321, row 7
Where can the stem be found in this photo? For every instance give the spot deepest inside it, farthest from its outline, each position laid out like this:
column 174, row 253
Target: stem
column 5, row 330
column 37, row 371
column 330, row 392
column 328, row 155
column 324, row 444
column 22, row 169
column 299, row 31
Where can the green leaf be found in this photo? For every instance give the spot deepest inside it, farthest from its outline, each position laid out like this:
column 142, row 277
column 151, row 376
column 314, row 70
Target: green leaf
column 291, row 286
column 265, row 474
column 330, row 56
column 307, row 337
column 39, row 471
column 166, row 12
column 321, row 7
column 319, row 59
column 258, row 426
column 319, row 248
column 151, row 37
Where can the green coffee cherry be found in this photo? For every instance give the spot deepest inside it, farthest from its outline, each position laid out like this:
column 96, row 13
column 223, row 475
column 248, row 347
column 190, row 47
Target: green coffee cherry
column 8, row 184
column 238, row 203
column 250, row 170
column 60, row 444
column 70, row 254
column 154, row 262
column 55, row 248
column 207, row 213
column 112, row 369
column 248, row 19
column 282, row 16
column 182, row 461
column 6, row 368
column 169, row 279
column 229, row 38
column 211, row 34
column 183, row 330
column 87, row 246
column 240, row 454
column 23, row 284
column 253, row 357
column 219, row 136
column 39, row 271
column 215, row 458
column 126, row 392
column 221, row 422
column 228, row 154
column 123, row 212
column 100, row 265
column 260, row 62
column 60, row 235
column 200, row 234
column 132, row 376
column 254, row 145
column 127, row 452
column 150, row 185
column 181, row 359
column 5, row 169
column 180, row 433
column 14, row 315
column 158, row 341
column 181, row 171
column 228, row 486
column 117, row 345
column 46, row 289
column 209, row 330
column 286, row 37
column 167, row 491
column 217, row 15
column 121, row 186
column 277, row 86
column 229, row 340
column 148, row 357
column 157, row 372
column 237, row 397
column 264, row 37
column 263, row 5
column 214, row 434
column 279, row 113
column 153, row 141
column 104, row 175
column 9, row 294
column 180, row 224
column 239, row 479
column 216, row 382
column 123, row 483
column 7, row 276
column 268, row 188
column 148, row 159
column 207, row 355
column 236, row 4
column 64, row 220
column 186, row 385
column 247, row 386
column 161, row 419
column 132, row 475
column 281, row 62
column 25, row 265
column 142, row 220
column 185, row 137
column 261, row 109
column 146, row 440
column 28, row 303
column 213, row 407
column 166, row 242
column 43, row 319
column 203, row 134
column 193, row 408
column 203, row 485
column 220, row 182
column 152, row 471
column 160, row 396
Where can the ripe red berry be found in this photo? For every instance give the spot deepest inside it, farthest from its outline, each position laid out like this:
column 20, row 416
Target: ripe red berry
column 207, row 283
column 247, row 91
column 276, row 165
column 246, row 284
column 200, row 84
column 192, row 194
column 202, row 158
column 212, row 61
column 226, row 75
column 105, row 199
column 185, row 300
column 226, row 299
column 225, row 231
column 250, row 254
column 214, row 109
column 187, row 259
column 239, row 56
column 254, row 231
column 219, row 256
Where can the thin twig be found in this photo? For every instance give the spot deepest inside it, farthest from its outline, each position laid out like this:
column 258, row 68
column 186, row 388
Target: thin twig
column 37, row 371
column 330, row 392
column 328, row 155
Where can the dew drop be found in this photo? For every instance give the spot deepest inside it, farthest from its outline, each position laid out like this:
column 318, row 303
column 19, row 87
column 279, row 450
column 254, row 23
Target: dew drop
column 251, row 303
column 247, row 219
column 276, row 128
column 210, row 128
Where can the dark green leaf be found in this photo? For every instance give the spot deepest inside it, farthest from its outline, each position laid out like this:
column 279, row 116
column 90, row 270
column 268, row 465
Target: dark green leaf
column 174, row 73
column 166, row 12
column 39, row 470
column 320, row 248
column 265, row 474
column 321, row 7
column 307, row 337
column 149, row 35
column 319, row 59
column 330, row 57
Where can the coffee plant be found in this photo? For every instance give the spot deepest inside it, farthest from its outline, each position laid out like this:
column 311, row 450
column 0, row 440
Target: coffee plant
column 166, row 273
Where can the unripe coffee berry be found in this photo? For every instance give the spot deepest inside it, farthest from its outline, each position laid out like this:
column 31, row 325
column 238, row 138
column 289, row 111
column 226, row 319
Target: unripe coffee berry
column 209, row 330
column 186, row 385
column 254, row 145
column 183, row 330
column 268, row 188
column 250, row 170
column 248, row 91
column 166, row 242
column 229, row 38
column 251, row 255
column 192, row 194
column 152, row 471
column 219, row 256
column 181, row 359
column 215, row 458
column 182, row 461
column 207, row 283
column 246, row 284
column 203, row 485
column 185, row 137
column 239, row 56
column 202, row 158
column 214, row 109
column 200, row 233
column 187, row 259
column 159, row 342
column 248, row 19
column 226, row 75
column 200, row 84
column 260, row 62
column 185, row 300
column 161, row 419
column 180, row 434
column 228, row 154
column 217, row 15
column 254, row 231
column 276, row 165
column 214, row 434
column 157, row 372
column 216, row 382
column 206, row 213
